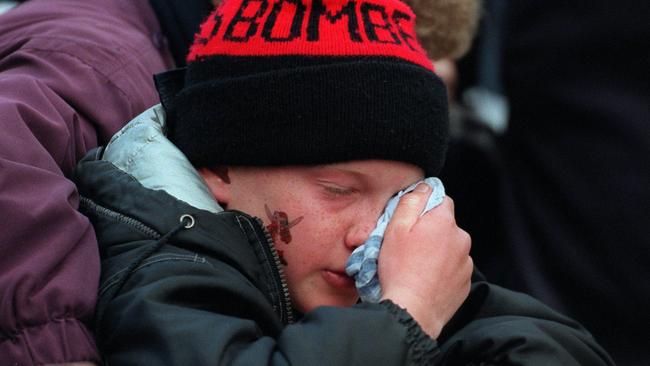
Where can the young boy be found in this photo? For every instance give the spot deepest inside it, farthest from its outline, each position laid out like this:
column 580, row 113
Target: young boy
column 301, row 119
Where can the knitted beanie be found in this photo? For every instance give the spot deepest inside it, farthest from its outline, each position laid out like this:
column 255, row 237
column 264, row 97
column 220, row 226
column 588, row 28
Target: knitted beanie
column 304, row 82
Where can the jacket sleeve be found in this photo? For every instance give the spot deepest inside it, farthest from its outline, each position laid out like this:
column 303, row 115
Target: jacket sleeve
column 496, row 326
column 181, row 309
column 49, row 249
column 53, row 107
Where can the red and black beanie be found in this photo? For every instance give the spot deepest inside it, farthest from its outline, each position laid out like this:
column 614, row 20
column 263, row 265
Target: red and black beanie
column 293, row 82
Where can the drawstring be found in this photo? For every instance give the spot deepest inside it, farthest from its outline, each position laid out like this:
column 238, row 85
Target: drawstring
column 186, row 222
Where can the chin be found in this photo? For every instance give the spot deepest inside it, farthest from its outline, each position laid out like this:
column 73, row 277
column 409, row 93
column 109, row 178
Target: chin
column 341, row 302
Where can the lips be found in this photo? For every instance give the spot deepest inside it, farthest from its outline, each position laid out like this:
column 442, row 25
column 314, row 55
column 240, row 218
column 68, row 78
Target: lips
column 338, row 279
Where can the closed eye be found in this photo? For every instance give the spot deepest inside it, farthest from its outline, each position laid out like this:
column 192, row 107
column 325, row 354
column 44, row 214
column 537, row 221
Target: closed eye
column 333, row 189
column 339, row 191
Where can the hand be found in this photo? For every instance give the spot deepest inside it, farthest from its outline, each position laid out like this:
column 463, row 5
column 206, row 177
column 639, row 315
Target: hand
column 424, row 263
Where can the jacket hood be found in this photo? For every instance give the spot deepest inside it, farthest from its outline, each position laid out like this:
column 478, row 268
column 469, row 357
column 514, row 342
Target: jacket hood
column 142, row 150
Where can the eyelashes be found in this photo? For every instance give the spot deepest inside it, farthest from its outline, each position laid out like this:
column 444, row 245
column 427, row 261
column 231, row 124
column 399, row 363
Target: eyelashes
column 334, row 190
column 339, row 191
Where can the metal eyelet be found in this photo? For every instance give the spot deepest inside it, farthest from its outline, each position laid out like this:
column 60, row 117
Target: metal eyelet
column 190, row 222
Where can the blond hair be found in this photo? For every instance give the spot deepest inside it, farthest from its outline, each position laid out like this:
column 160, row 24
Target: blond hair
column 446, row 27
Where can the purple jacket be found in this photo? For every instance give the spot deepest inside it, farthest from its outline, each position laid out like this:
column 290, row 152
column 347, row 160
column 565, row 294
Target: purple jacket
column 71, row 74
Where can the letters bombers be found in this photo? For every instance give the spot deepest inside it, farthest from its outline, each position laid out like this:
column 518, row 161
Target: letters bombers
column 225, row 216
column 323, row 29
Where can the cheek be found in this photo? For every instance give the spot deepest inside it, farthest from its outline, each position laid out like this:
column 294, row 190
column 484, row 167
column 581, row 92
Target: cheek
column 312, row 240
column 320, row 230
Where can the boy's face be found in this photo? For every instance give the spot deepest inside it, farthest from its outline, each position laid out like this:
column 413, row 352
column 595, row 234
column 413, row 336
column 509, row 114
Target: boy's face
column 317, row 215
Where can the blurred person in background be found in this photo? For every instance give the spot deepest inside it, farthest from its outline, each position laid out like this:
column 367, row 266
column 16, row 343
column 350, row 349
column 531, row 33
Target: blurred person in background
column 71, row 74
column 551, row 177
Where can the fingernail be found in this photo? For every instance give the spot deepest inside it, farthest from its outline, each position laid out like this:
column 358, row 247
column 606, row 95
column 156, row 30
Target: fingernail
column 422, row 187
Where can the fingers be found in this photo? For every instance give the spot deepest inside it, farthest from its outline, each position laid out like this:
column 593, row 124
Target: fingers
column 410, row 207
column 449, row 202
column 445, row 210
column 434, row 242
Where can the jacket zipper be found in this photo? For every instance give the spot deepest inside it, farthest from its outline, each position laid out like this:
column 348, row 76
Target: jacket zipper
column 280, row 278
column 285, row 299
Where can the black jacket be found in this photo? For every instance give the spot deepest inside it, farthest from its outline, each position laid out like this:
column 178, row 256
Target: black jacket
column 215, row 294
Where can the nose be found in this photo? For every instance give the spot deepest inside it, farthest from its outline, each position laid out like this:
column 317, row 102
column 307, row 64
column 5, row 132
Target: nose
column 359, row 231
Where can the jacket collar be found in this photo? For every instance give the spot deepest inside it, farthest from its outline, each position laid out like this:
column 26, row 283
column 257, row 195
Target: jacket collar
column 142, row 150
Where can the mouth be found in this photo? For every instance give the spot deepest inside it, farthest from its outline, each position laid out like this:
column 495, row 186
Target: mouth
column 338, row 279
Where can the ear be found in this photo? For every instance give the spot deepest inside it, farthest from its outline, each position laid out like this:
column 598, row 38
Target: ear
column 218, row 182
